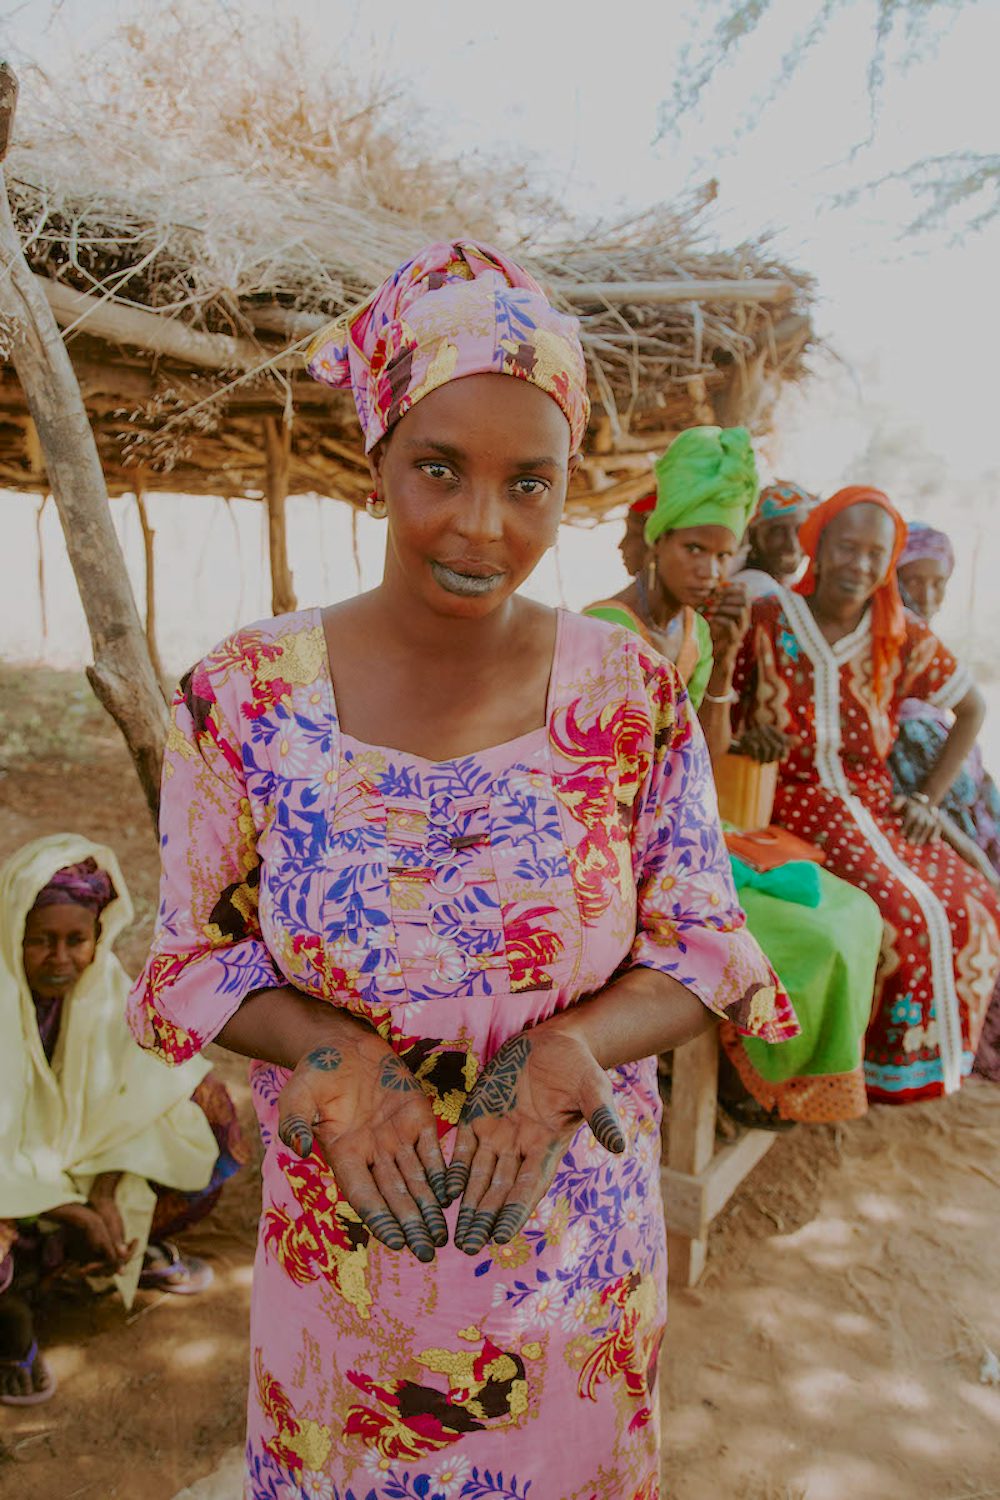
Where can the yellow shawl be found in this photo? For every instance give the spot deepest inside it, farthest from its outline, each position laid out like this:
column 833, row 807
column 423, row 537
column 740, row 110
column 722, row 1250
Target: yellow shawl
column 103, row 1105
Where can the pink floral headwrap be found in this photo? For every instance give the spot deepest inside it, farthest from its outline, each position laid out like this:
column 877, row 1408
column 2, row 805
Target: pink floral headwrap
column 453, row 310
column 83, row 884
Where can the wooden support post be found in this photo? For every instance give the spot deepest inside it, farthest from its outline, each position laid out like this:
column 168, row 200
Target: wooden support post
column 278, row 441
column 691, row 1146
column 149, row 553
column 122, row 675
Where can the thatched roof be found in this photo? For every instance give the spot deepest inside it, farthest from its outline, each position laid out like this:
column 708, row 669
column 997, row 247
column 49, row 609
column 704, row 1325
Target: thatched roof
column 190, row 231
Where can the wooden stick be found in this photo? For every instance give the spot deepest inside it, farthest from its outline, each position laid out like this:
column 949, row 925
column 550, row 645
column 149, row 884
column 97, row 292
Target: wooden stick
column 149, row 552
column 278, row 448
column 103, row 318
column 122, row 675
column 759, row 289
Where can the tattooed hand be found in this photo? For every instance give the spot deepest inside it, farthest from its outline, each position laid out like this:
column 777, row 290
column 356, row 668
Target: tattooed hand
column 362, row 1107
column 515, row 1127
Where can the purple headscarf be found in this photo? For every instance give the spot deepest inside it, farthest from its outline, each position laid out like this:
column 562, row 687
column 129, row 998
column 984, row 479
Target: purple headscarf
column 923, row 541
column 84, row 884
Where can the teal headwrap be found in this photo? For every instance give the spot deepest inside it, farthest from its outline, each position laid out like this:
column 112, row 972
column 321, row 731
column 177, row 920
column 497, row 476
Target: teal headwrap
column 707, row 477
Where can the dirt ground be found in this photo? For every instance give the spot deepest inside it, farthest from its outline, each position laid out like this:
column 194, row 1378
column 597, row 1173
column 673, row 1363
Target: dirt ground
column 838, row 1347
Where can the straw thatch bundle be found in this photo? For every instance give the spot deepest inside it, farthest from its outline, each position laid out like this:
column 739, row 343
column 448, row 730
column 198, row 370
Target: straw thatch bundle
column 195, row 211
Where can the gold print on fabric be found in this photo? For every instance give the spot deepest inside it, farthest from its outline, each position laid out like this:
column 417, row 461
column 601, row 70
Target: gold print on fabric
column 327, row 1240
column 297, row 1442
column 300, row 660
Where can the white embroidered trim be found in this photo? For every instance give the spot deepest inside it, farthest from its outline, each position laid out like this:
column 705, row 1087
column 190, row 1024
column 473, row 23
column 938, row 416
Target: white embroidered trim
column 826, row 667
column 954, row 690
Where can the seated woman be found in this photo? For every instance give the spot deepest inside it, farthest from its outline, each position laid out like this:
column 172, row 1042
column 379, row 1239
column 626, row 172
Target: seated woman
column 706, row 484
column 773, row 555
column 970, row 810
column 821, row 677
column 106, row 1152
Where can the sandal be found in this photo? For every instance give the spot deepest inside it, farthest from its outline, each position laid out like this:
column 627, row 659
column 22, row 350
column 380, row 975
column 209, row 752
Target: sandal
column 27, row 1364
column 185, row 1278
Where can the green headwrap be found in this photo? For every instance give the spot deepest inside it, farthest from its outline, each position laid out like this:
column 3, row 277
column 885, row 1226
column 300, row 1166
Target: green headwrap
column 707, row 477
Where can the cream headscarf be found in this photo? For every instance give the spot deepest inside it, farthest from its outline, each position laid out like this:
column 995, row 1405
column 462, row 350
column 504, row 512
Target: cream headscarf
column 103, row 1105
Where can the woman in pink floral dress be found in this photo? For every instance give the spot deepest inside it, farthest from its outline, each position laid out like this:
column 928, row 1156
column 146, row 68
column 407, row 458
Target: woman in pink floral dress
column 447, row 864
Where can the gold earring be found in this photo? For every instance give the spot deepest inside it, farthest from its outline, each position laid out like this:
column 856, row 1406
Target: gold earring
column 652, row 577
column 375, row 507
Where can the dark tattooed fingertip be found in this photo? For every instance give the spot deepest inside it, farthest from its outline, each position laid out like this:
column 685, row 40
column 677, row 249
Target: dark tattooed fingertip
column 437, row 1226
column 607, row 1130
column 478, row 1234
column 509, row 1221
column 297, row 1134
column 385, row 1228
column 438, row 1183
column 418, row 1239
column 455, row 1180
column 464, row 1223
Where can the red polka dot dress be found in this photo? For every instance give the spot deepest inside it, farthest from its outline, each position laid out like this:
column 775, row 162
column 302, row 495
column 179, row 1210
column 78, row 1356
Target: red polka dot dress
column 941, row 944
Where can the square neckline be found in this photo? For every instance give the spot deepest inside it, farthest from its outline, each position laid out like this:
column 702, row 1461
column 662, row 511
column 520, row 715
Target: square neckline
column 503, row 746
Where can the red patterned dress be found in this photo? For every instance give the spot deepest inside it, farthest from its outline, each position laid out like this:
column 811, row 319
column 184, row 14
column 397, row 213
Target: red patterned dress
column 941, row 944
column 452, row 903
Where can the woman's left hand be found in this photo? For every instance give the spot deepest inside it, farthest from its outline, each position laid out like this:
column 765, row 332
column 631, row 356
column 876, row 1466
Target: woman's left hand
column 920, row 820
column 517, row 1122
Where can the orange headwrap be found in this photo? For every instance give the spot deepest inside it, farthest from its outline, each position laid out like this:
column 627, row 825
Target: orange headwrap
column 888, row 619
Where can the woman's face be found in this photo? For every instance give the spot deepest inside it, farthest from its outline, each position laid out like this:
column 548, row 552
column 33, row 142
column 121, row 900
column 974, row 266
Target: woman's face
column 632, row 546
column 775, row 544
column 854, row 555
column 59, row 943
column 474, row 478
column 923, row 586
column 693, row 562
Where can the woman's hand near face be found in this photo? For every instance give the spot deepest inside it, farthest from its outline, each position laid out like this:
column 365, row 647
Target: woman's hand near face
column 521, row 1115
column 358, row 1102
column 728, row 616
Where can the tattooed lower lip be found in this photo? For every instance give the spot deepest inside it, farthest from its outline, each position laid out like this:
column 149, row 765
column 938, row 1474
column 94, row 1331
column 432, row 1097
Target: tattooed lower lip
column 469, row 584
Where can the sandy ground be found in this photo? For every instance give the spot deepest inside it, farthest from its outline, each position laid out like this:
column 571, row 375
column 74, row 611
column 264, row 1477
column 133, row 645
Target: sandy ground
column 833, row 1350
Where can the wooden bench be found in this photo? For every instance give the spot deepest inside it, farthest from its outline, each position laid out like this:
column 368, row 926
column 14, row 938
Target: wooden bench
column 699, row 1181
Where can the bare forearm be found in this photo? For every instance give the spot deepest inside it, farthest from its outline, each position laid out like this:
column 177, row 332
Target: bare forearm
column 969, row 716
column 281, row 1026
column 640, row 1015
column 716, row 726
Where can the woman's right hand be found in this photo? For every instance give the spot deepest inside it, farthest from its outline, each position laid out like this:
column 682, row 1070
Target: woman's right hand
column 93, row 1241
column 359, row 1103
column 764, row 743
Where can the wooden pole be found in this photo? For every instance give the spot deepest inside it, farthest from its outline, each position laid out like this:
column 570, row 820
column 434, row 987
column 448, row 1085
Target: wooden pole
column 122, row 676
column 149, row 553
column 723, row 289
column 278, row 449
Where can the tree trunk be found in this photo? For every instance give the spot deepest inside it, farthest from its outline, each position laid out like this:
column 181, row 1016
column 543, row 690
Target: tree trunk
column 149, row 552
column 122, row 676
column 278, row 447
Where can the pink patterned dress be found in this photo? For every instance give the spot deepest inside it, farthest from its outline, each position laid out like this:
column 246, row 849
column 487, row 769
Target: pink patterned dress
column 453, row 904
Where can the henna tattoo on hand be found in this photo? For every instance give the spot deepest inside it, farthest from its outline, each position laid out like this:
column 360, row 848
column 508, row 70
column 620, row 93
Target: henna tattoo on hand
column 325, row 1059
column 495, row 1090
column 455, row 1178
column 396, row 1075
column 510, row 1221
column 438, row 1183
column 384, row 1227
column 478, row 1233
column 437, row 1227
column 296, row 1132
column 418, row 1239
column 607, row 1129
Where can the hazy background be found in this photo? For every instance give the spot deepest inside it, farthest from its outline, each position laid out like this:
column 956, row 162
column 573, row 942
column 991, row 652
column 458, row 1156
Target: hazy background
column 904, row 396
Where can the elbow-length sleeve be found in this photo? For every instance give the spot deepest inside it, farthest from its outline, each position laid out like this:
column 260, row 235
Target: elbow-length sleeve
column 930, row 672
column 207, row 952
column 690, row 923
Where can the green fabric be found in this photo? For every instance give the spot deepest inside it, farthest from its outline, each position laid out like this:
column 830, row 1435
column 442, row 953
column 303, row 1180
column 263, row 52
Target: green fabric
column 797, row 881
column 707, row 477
column 826, row 961
column 698, row 681
column 610, row 613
